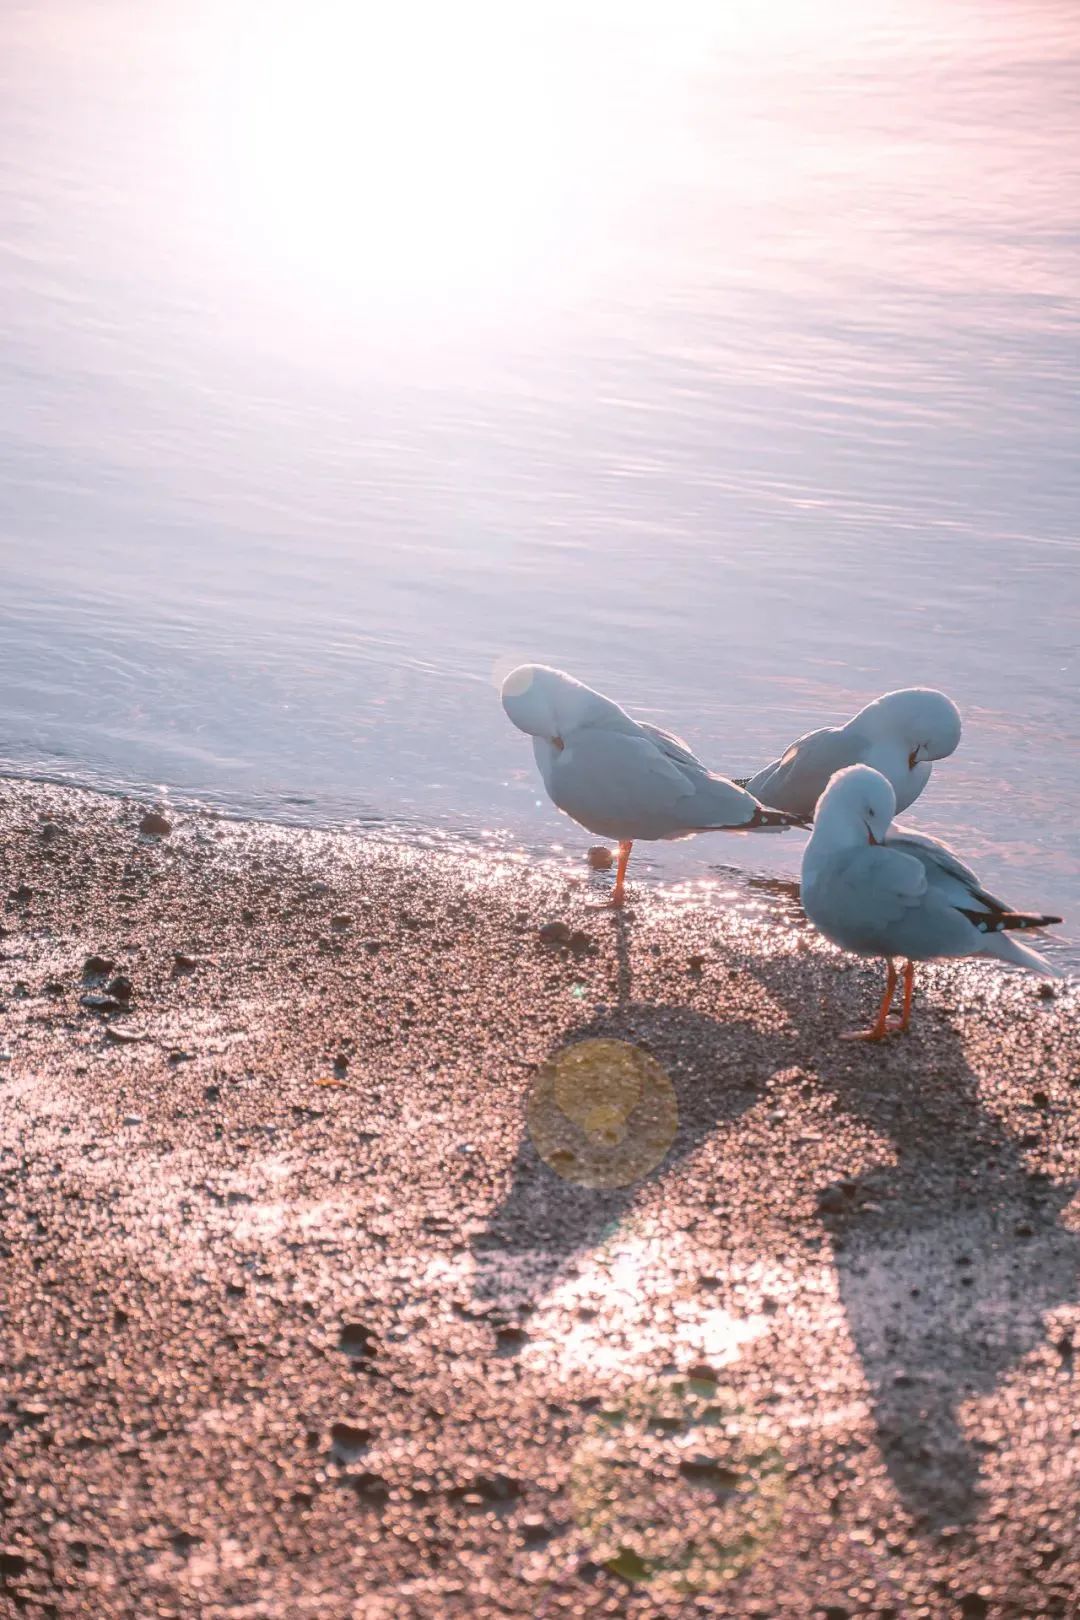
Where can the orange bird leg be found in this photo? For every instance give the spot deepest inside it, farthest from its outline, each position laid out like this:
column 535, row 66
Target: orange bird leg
column 620, row 874
column 881, row 1026
column 909, row 991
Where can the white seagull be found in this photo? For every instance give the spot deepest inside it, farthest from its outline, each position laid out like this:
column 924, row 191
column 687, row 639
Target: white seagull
column 898, row 893
column 900, row 735
column 621, row 778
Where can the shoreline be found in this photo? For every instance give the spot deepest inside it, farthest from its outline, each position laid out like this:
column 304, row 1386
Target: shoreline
column 297, row 1320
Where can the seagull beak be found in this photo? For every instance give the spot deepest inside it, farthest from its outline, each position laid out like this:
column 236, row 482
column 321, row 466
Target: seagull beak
column 558, row 744
column 870, row 837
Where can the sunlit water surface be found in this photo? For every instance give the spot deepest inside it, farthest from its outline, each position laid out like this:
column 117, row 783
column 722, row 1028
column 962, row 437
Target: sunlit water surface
column 724, row 355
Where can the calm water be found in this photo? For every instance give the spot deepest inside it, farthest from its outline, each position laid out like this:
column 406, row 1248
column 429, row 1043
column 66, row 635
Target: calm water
column 729, row 361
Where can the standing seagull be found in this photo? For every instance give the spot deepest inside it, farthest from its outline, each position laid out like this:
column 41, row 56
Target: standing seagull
column 899, row 735
column 888, row 894
column 618, row 777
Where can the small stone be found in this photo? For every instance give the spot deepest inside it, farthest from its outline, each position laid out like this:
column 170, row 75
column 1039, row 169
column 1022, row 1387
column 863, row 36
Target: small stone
column 124, row 1037
column 179, row 1056
column 182, row 963
column 96, row 967
column 50, row 832
column 22, row 894
column 1024, row 1229
column 696, row 964
column 318, row 890
column 579, row 941
column 701, row 1373
column 1046, row 992
column 357, row 1341
column 342, row 922
column 341, row 1062
column 1040, row 1099
column 12, row 1561
column 212, row 1093
column 349, row 1440
column 600, row 859
column 133, row 1119
column 246, row 914
column 554, row 933
column 121, row 987
column 101, row 1003
column 154, row 825
column 53, row 987
column 973, row 1606
column 510, row 1340
column 235, row 1289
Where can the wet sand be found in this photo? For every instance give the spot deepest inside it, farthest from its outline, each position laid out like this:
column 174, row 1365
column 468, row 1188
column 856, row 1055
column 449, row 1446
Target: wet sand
column 296, row 1321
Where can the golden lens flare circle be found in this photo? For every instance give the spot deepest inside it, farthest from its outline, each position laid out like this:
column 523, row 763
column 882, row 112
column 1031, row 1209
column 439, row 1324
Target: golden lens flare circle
column 602, row 1113
column 678, row 1487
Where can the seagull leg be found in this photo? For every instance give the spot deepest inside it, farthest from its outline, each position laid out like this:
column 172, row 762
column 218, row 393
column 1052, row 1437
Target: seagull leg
column 882, row 1024
column 909, row 991
column 617, row 896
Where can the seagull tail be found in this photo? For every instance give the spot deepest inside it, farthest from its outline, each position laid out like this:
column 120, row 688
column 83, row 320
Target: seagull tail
column 1007, row 949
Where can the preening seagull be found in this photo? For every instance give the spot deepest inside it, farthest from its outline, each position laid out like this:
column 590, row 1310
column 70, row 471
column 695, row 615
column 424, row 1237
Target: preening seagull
column 900, row 735
column 894, row 893
column 622, row 778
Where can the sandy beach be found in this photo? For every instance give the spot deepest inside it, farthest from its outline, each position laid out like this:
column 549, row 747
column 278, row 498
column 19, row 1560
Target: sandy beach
column 297, row 1320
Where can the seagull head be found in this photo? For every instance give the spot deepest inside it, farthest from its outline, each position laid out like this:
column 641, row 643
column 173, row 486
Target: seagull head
column 924, row 723
column 545, row 702
column 857, row 807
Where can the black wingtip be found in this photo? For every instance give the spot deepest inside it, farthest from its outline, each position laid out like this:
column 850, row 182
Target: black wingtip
column 763, row 817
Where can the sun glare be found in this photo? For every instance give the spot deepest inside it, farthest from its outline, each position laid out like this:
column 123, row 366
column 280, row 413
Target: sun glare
column 400, row 153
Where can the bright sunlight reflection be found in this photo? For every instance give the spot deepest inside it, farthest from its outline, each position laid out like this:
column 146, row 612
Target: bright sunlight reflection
column 401, row 152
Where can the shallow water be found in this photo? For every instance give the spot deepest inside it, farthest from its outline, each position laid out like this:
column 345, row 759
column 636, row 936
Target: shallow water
column 729, row 362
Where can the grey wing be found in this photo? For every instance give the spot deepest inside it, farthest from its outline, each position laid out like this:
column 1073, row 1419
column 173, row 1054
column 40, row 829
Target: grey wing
column 945, row 871
column 673, row 748
column 796, row 781
column 870, row 892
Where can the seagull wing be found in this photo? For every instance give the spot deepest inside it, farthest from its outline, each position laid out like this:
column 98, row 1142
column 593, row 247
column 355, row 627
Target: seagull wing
column 796, row 780
column 876, row 887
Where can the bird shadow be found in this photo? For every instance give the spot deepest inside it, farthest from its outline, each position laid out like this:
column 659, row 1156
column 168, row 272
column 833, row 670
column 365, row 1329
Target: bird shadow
column 948, row 1254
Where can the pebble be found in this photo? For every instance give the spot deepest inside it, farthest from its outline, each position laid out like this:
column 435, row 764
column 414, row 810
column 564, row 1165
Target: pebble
column 50, row 832
column 97, row 966
column 182, row 963
column 101, row 1003
column 831, row 1200
column 357, row 1341
column 697, row 964
column 155, row 825
column 555, row 933
column 121, row 987
column 133, row 1119
column 579, row 941
column 600, row 859
column 124, row 1037
column 341, row 922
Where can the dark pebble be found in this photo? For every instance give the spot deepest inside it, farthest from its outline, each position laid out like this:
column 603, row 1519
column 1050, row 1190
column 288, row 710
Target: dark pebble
column 50, row 832
column 831, row 1200
column 697, row 964
column 1040, row 1099
column 579, row 941
column 358, row 1341
column 600, row 859
column 155, row 825
column 554, row 933
column 973, row 1606
column 183, row 963
column 341, row 922
column 1046, row 992
column 95, row 967
column 101, row 1003
column 121, row 987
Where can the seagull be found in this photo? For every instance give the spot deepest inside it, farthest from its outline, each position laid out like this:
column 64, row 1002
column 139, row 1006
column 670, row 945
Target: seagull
column 621, row 778
column 899, row 893
column 900, row 735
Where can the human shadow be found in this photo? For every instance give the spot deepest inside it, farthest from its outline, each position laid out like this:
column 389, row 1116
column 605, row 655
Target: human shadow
column 948, row 1254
